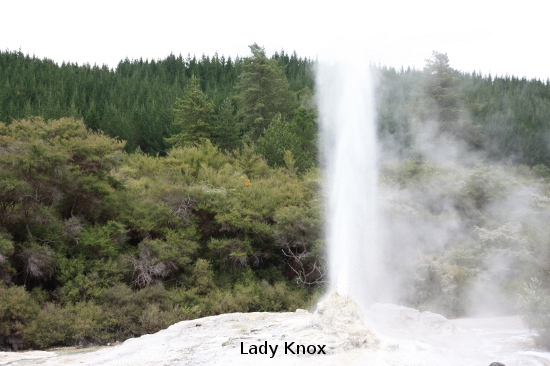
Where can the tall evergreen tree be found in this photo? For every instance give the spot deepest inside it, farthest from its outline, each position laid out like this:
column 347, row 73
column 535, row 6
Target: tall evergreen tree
column 442, row 84
column 303, row 126
column 193, row 116
column 263, row 91
column 226, row 130
column 276, row 140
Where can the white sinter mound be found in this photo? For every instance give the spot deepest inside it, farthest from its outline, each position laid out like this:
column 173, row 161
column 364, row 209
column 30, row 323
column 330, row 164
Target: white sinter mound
column 335, row 334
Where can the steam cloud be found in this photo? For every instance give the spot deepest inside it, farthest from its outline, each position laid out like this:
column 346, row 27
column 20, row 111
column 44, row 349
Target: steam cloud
column 417, row 216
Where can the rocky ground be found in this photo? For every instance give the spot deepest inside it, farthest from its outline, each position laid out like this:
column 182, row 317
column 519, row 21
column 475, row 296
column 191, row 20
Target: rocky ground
column 335, row 334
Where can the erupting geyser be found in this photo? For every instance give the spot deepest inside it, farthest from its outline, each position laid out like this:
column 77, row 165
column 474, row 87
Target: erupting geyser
column 348, row 144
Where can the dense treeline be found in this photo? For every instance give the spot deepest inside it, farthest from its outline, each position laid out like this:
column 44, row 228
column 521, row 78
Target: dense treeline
column 506, row 117
column 132, row 102
column 170, row 189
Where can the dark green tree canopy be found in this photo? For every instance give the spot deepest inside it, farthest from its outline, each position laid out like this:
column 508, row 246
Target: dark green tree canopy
column 193, row 116
column 263, row 92
column 297, row 137
column 226, row 130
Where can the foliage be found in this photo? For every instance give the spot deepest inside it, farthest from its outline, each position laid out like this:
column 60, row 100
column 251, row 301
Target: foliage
column 193, row 116
column 55, row 325
column 263, row 92
column 226, row 129
column 534, row 304
column 276, row 140
column 202, row 277
column 133, row 101
column 503, row 116
column 115, row 245
column 296, row 137
column 298, row 237
column 442, row 284
column 97, row 244
column 472, row 235
column 442, row 86
column 17, row 309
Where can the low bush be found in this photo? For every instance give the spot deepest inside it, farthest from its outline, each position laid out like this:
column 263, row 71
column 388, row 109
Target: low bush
column 534, row 305
column 17, row 310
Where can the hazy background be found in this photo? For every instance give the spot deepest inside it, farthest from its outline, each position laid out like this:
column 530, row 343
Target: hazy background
column 462, row 231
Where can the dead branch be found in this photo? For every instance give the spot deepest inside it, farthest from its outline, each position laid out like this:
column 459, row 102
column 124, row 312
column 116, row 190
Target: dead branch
column 310, row 274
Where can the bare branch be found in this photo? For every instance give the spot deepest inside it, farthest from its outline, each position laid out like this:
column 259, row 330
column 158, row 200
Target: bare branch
column 307, row 274
column 39, row 262
column 145, row 272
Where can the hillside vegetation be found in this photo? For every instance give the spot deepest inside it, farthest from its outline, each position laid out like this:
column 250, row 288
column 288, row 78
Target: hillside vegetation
column 166, row 190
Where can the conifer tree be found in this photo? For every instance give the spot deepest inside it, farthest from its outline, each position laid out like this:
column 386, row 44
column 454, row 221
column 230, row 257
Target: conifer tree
column 277, row 139
column 443, row 87
column 303, row 126
column 263, row 92
column 226, row 133
column 193, row 116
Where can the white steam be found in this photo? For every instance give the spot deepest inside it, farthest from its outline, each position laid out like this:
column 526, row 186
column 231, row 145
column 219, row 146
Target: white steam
column 412, row 218
column 350, row 154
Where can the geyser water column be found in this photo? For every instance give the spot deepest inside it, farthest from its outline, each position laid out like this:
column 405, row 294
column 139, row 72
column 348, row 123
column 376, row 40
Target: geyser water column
column 344, row 90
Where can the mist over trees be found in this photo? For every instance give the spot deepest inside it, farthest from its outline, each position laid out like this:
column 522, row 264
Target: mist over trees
column 164, row 190
column 464, row 187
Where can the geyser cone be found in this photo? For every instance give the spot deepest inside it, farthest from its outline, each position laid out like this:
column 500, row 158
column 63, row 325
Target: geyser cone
column 347, row 113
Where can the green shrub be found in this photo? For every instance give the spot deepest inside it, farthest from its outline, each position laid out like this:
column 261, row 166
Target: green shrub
column 17, row 310
column 79, row 324
column 153, row 319
column 121, row 312
column 52, row 327
column 6, row 245
column 441, row 285
column 88, row 324
column 534, row 306
column 202, row 277
column 186, row 304
column 128, row 313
